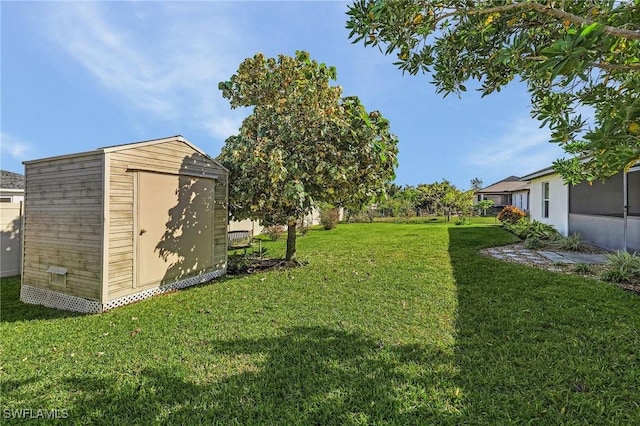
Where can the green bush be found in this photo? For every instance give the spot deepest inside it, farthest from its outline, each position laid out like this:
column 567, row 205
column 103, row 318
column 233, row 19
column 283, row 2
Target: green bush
column 622, row 266
column 582, row 268
column 520, row 228
column 510, row 214
column 462, row 221
column 543, row 231
column 274, row 232
column 329, row 218
column 524, row 229
column 615, row 276
column 533, row 243
column 572, row 242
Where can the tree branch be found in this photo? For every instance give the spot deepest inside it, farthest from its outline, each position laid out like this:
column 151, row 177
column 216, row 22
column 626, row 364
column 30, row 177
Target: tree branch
column 601, row 65
column 550, row 11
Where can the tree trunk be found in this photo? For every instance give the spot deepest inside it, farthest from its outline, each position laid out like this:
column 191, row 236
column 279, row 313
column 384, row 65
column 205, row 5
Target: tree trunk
column 291, row 242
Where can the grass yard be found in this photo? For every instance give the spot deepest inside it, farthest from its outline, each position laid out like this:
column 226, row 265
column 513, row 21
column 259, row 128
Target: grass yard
column 387, row 324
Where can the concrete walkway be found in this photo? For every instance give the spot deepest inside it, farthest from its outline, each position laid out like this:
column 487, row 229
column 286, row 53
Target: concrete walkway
column 566, row 257
column 516, row 253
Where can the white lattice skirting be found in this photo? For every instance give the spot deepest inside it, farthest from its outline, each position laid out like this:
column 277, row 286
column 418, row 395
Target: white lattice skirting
column 54, row 299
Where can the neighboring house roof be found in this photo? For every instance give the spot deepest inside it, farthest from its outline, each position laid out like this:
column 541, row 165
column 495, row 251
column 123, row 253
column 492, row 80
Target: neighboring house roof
column 10, row 180
column 540, row 173
column 506, row 185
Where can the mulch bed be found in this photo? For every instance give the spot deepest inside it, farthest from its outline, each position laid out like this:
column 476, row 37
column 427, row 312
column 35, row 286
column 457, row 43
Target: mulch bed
column 243, row 265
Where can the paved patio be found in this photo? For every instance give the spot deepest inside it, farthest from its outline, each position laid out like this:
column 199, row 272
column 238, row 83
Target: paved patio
column 517, row 253
column 566, row 257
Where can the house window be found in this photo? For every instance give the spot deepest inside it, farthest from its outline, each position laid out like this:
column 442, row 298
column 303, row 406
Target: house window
column 545, row 199
column 5, row 199
column 506, row 200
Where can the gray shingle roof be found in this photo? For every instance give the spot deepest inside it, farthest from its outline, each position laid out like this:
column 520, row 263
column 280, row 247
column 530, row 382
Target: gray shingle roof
column 10, row 180
column 510, row 184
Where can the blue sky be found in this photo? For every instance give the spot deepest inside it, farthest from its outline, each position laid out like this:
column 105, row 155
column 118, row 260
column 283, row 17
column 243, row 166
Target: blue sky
column 82, row 75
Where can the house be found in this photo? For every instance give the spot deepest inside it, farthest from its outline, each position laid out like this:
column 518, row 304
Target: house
column 115, row 225
column 606, row 214
column 11, row 187
column 311, row 219
column 510, row 191
column 11, row 196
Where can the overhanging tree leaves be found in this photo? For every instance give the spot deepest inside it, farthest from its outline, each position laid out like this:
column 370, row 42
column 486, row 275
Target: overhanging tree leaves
column 304, row 143
column 571, row 54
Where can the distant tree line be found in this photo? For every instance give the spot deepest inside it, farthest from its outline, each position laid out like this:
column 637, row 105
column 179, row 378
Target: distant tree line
column 432, row 199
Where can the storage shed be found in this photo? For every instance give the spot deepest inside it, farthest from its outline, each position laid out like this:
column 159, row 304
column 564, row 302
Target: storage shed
column 119, row 224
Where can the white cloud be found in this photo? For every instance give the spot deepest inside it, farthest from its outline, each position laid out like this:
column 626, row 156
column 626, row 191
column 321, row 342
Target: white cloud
column 171, row 72
column 14, row 147
column 521, row 148
column 225, row 126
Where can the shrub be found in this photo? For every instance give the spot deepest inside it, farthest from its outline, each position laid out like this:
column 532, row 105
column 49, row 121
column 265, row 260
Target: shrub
column 274, row 232
column 238, row 264
column 543, row 231
column 532, row 243
column 365, row 215
column 510, row 214
column 622, row 266
column 615, row 276
column 624, row 259
column 463, row 221
column 520, row 228
column 524, row 229
column 572, row 242
column 484, row 206
column 582, row 268
column 329, row 218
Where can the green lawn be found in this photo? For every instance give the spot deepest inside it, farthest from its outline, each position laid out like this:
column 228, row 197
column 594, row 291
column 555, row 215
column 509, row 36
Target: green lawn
column 387, row 324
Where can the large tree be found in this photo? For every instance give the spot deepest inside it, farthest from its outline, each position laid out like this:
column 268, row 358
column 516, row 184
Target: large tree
column 579, row 59
column 304, row 143
column 444, row 198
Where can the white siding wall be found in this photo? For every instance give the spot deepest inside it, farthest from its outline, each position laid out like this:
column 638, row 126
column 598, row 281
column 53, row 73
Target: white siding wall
column 246, row 225
column 311, row 219
column 10, row 239
column 13, row 195
column 558, row 202
column 521, row 200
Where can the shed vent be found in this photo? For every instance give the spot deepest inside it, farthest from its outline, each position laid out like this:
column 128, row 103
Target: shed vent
column 57, row 276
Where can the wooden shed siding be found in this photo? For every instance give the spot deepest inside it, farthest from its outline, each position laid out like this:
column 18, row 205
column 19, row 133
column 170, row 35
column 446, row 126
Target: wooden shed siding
column 170, row 157
column 62, row 226
column 120, row 233
column 221, row 220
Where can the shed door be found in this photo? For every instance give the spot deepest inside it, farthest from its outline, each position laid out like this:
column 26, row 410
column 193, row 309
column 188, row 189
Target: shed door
column 174, row 229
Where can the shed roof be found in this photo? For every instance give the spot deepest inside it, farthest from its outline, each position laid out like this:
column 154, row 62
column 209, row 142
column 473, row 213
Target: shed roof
column 122, row 147
column 11, row 180
column 509, row 184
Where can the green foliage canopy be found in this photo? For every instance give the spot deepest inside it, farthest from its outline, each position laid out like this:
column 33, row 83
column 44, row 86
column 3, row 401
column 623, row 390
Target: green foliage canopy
column 579, row 59
column 304, row 143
